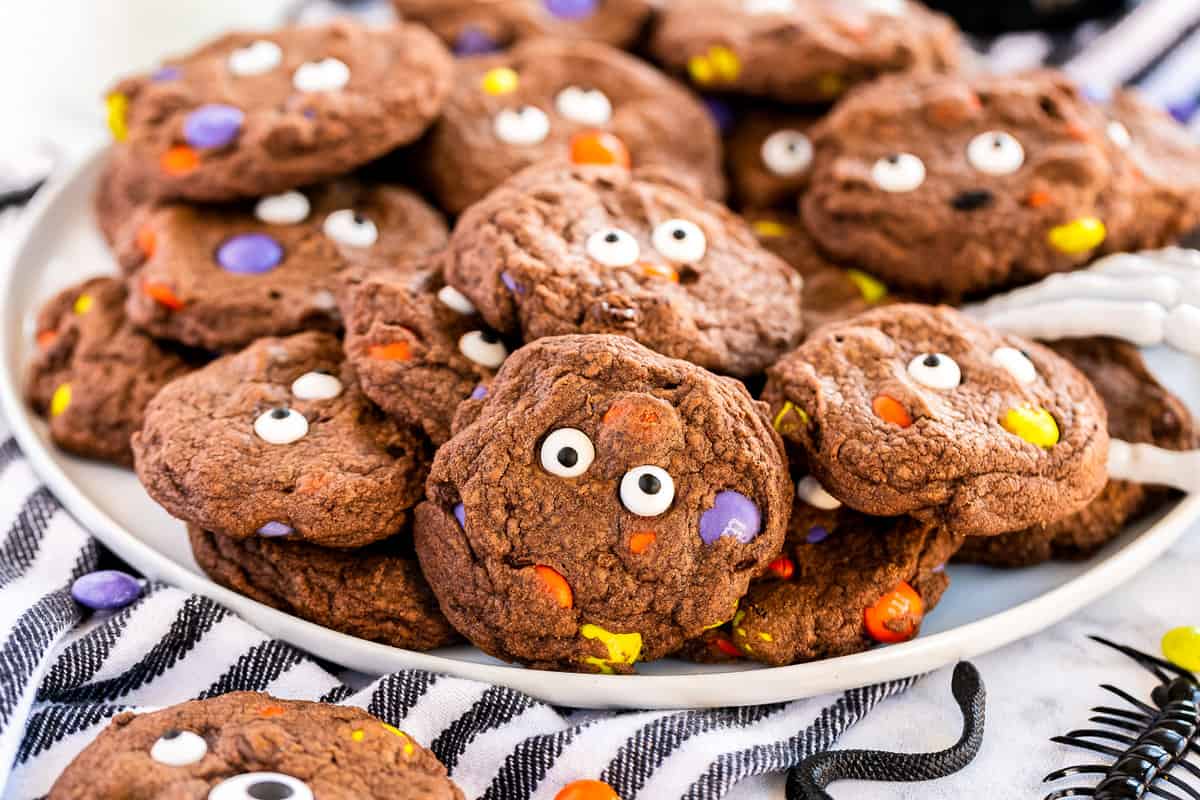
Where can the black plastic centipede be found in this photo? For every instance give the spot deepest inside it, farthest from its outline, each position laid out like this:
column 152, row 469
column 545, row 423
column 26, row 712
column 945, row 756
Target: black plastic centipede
column 1157, row 739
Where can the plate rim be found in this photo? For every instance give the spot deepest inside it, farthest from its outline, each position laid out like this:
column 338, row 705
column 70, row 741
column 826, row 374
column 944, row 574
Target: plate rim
column 769, row 684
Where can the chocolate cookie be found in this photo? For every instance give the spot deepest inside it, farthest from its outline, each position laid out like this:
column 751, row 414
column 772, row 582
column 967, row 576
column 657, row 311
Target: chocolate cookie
column 473, row 27
column 219, row 278
column 801, row 51
column 1140, row 409
column 418, row 347
column 582, row 101
column 94, row 372
column 607, row 505
column 278, row 440
column 953, row 186
column 564, row 249
column 919, row 410
column 375, row 593
column 121, row 193
column 257, row 113
column 769, row 154
column 251, row 745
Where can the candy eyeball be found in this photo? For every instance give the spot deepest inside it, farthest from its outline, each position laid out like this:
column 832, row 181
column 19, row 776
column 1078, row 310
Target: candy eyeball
column 935, row 370
column 787, row 152
column 282, row 209
column 995, row 153
column 179, row 748
column 1119, row 135
column 899, row 172
column 484, row 348
column 455, row 300
column 567, row 453
column 647, row 490
column 613, row 247
column 261, row 786
column 281, row 425
column 326, row 75
column 255, row 58
column 350, row 228
column 527, row 125
column 1015, row 363
column 316, row 386
column 679, row 240
column 585, row 106
column 886, row 8
column 768, row 6
column 809, row 490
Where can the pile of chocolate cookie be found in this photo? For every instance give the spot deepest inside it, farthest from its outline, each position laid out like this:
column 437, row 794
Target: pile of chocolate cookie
column 427, row 345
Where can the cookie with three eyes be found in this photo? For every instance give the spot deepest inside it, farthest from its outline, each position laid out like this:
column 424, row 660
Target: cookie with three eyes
column 279, row 441
column 375, row 592
column 257, row 113
column 93, row 372
column 246, row 746
column 801, row 51
column 769, row 154
column 561, row 249
column 221, row 277
column 473, row 27
column 919, row 410
column 418, row 346
column 1140, row 410
column 554, row 99
column 955, row 186
column 606, row 505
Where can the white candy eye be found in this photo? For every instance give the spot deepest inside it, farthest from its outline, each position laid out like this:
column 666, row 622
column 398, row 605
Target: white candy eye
column 1118, row 134
column 900, row 172
column 586, row 106
column 996, row 153
column 350, row 228
column 680, row 241
column 179, row 748
column 527, row 125
column 282, row 209
column 613, row 247
column 935, row 370
column 326, row 75
column 1015, row 363
column 810, row 491
column 316, row 386
column 484, row 348
column 647, row 491
column 261, row 786
column 281, row 425
column 455, row 300
column 255, row 58
column 787, row 152
column 768, row 6
column 887, row 8
column 567, row 453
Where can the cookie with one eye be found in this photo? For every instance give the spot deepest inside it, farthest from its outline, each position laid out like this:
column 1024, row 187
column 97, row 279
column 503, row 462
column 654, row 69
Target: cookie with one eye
column 954, row 186
column 801, row 51
column 770, row 156
column 419, row 347
column 577, row 101
column 221, row 277
column 258, row 113
column 279, row 441
column 606, row 505
column 1140, row 410
column 93, row 372
column 250, row 746
column 918, row 410
column 562, row 249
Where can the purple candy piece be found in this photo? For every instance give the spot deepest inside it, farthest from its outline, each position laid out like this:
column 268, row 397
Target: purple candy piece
column 1183, row 110
column 212, row 125
column 732, row 514
column 250, row 253
column 510, row 283
column 472, row 41
column 273, row 528
column 721, row 113
column 939, row 568
column 106, row 589
column 571, row 9
column 167, row 73
column 816, row 534
column 479, row 392
column 460, row 514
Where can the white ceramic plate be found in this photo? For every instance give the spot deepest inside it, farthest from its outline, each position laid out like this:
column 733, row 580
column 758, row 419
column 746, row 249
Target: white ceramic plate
column 983, row 609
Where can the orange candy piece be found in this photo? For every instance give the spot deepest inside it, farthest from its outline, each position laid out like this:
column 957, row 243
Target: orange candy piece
column 599, row 147
column 271, row 711
column 896, row 616
column 783, row 567
column 1038, row 198
column 162, row 294
column 46, row 338
column 179, row 160
column 651, row 270
column 395, row 351
column 146, row 240
column 640, row 542
column 891, row 410
column 556, row 585
column 724, row 645
column 587, row 790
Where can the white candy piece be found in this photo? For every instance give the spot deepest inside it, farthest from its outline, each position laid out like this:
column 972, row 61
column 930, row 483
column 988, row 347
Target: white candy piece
column 1118, row 134
column 613, row 247
column 476, row 346
column 887, row 8
column 251, row 785
column 768, row 6
column 995, row 153
column 326, row 75
column 316, row 386
column 350, row 228
column 523, row 126
column 679, row 240
column 255, row 58
column 1145, row 463
column 902, row 172
column 810, row 491
column 1015, row 363
column 455, row 300
column 281, row 426
column 282, row 209
column 179, row 749
column 585, row 106
column 647, row 490
column 786, row 152
column 936, row 371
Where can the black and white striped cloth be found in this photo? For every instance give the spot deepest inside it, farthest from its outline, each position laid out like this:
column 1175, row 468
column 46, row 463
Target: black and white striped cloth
column 63, row 674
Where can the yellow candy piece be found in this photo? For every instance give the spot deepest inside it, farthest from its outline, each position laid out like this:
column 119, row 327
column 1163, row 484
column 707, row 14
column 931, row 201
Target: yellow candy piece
column 1034, row 425
column 1079, row 236
column 358, row 735
column 725, row 63
column 408, row 745
column 781, row 422
column 83, row 304
column 1181, row 646
column 60, row 399
column 117, row 105
column 766, row 637
column 770, row 229
column 700, row 69
column 623, row 648
column 871, row 289
column 831, row 84
column 500, row 80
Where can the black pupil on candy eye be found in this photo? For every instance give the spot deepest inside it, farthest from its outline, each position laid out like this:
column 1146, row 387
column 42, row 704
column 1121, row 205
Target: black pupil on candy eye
column 649, row 484
column 568, row 457
column 489, row 337
column 269, row 790
column 893, row 159
column 1024, row 353
column 359, row 219
column 679, row 233
column 997, row 142
column 171, row 734
column 279, row 413
column 931, row 361
column 611, row 238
